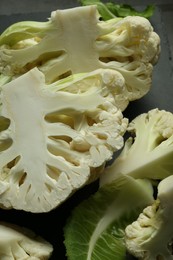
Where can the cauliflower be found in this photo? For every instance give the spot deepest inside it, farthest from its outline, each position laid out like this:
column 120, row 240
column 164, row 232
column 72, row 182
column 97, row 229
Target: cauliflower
column 151, row 235
column 21, row 243
column 76, row 41
column 149, row 154
column 56, row 137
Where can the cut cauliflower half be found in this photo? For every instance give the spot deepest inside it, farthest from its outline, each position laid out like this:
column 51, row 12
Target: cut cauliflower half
column 18, row 243
column 75, row 40
column 53, row 137
column 150, row 237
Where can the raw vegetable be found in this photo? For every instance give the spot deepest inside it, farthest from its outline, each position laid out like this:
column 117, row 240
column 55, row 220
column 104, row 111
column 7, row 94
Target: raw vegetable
column 63, row 46
column 149, row 152
column 56, row 137
column 95, row 229
column 150, row 237
column 111, row 10
column 20, row 243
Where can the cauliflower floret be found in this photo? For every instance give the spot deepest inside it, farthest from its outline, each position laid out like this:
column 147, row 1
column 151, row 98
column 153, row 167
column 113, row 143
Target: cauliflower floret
column 150, row 236
column 129, row 38
column 55, row 136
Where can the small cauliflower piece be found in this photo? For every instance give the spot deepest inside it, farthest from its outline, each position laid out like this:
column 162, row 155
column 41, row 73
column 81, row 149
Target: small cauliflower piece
column 150, row 237
column 55, row 137
column 75, row 40
column 18, row 243
column 149, row 152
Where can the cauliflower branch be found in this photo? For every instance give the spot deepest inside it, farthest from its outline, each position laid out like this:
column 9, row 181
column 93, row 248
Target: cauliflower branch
column 63, row 45
column 149, row 153
column 150, row 237
column 55, row 136
column 21, row 243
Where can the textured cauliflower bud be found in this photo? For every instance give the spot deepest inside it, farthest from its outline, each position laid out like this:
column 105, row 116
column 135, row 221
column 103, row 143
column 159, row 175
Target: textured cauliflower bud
column 63, row 46
column 54, row 136
column 151, row 236
column 19, row 243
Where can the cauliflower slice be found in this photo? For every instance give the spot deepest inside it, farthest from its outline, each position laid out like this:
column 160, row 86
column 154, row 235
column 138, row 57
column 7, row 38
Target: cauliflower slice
column 20, row 243
column 150, row 237
column 75, row 40
column 55, row 136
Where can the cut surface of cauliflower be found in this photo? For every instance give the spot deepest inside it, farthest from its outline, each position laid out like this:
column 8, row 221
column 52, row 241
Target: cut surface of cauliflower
column 54, row 136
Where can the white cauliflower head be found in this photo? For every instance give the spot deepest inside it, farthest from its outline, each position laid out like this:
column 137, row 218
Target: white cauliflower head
column 53, row 137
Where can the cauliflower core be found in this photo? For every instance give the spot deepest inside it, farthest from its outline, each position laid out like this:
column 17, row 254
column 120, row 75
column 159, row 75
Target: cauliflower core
column 53, row 137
